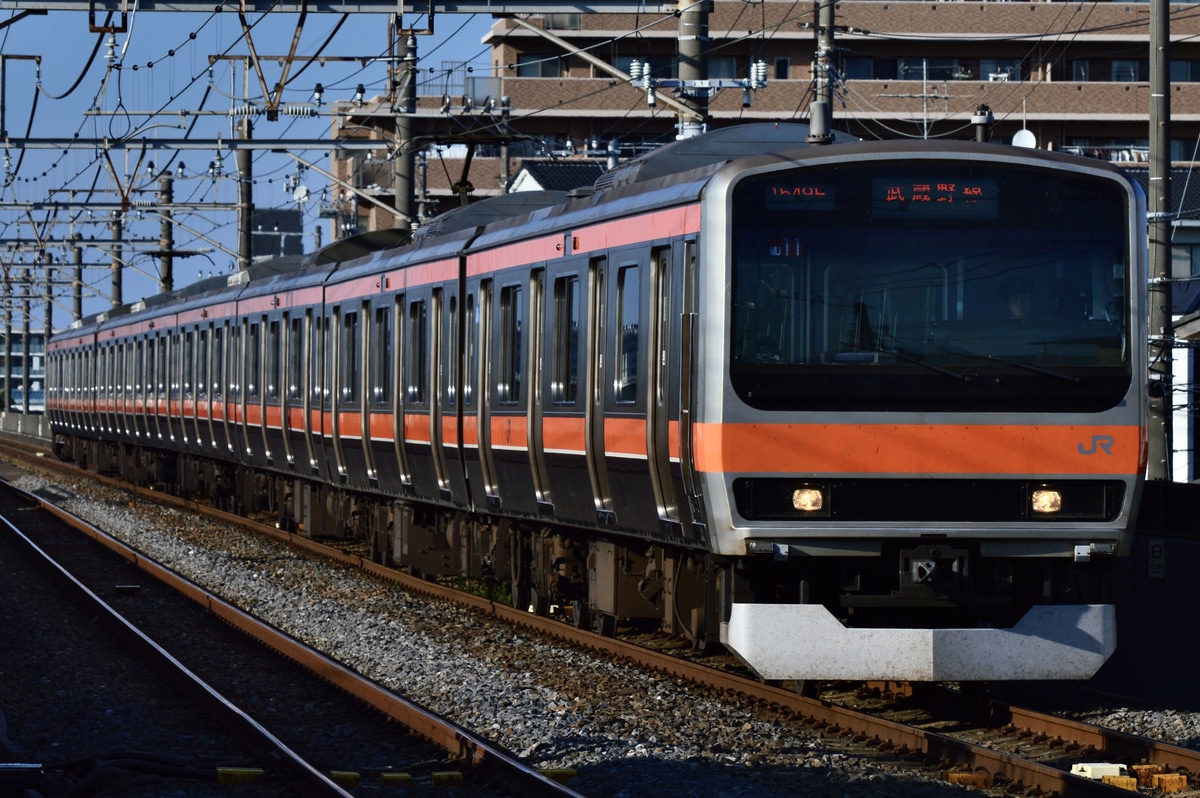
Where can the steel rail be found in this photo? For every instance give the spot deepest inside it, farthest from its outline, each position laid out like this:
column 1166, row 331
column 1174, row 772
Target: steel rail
column 313, row 782
column 458, row 741
column 930, row 745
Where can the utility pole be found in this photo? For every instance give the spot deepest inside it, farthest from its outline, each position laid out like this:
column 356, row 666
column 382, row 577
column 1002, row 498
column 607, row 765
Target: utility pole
column 117, row 226
column 693, row 65
column 820, row 117
column 245, row 198
column 166, row 232
column 404, row 163
column 1159, row 224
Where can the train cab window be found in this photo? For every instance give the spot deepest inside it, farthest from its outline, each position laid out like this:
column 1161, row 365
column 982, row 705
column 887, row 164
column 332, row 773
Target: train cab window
column 508, row 386
column 381, row 357
column 272, row 375
column 418, row 352
column 564, row 377
column 295, row 359
column 628, row 304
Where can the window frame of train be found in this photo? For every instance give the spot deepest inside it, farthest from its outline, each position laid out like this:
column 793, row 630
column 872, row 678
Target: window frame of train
column 510, row 345
column 913, row 317
column 627, row 360
column 564, row 354
column 417, row 356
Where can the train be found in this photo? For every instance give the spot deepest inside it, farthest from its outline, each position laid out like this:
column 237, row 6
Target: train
column 857, row 410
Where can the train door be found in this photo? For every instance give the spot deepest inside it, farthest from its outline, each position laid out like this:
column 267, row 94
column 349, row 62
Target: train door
column 399, row 395
column 337, row 332
column 378, row 397
column 593, row 422
column 204, row 397
column 661, row 412
column 688, row 334
column 191, row 424
column 480, row 359
column 318, row 387
column 535, row 406
column 449, row 425
column 289, row 378
column 272, row 401
column 219, row 389
column 437, row 348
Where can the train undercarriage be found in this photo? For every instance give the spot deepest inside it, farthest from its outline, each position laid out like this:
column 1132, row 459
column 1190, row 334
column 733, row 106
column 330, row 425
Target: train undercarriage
column 596, row 581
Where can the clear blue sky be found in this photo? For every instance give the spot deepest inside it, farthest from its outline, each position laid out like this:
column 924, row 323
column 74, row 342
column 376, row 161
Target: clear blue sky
column 164, row 60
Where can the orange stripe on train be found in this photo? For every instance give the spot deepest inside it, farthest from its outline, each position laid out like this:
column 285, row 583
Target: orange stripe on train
column 917, row 449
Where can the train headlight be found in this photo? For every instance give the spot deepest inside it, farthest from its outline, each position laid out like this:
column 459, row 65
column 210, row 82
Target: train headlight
column 1046, row 500
column 808, row 499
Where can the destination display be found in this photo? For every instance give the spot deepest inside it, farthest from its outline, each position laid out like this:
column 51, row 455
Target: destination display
column 975, row 198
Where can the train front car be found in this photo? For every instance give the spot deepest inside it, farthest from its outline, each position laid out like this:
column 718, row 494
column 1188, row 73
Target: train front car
column 927, row 445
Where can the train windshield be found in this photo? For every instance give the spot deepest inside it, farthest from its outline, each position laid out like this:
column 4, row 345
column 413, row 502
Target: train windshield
column 930, row 285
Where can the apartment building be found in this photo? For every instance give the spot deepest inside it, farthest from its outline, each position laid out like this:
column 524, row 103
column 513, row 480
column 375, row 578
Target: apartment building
column 1075, row 75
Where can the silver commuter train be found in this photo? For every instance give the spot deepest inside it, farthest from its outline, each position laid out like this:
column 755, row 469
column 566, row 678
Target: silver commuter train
column 861, row 411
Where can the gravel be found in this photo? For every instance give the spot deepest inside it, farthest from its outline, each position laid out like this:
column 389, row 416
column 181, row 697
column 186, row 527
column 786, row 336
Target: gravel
column 626, row 732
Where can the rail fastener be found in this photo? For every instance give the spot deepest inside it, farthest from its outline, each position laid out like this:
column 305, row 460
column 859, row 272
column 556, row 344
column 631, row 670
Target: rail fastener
column 560, row 775
column 345, row 778
column 240, row 775
column 446, row 778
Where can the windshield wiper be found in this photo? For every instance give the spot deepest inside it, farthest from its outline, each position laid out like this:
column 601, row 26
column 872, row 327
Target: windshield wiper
column 1018, row 364
column 910, row 359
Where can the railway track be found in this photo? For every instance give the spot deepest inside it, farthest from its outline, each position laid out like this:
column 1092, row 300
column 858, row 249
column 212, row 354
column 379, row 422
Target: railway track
column 996, row 766
column 303, row 692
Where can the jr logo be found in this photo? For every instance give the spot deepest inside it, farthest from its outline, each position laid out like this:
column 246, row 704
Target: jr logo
column 1102, row 443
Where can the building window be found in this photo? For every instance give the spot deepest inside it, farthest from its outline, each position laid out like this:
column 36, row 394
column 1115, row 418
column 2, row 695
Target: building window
column 1000, row 68
column 562, row 22
column 722, row 67
column 1130, row 70
column 1081, row 70
column 538, row 66
column 782, row 67
column 928, row 68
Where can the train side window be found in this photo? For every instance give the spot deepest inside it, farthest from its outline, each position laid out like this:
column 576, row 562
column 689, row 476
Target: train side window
column 217, row 370
column 189, row 361
column 628, row 305
column 253, row 360
column 381, row 357
column 471, row 362
column 295, row 359
column 564, row 376
column 348, row 354
column 203, row 364
column 272, row 374
column 418, row 352
column 140, row 359
column 508, row 388
column 315, row 350
column 236, row 360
